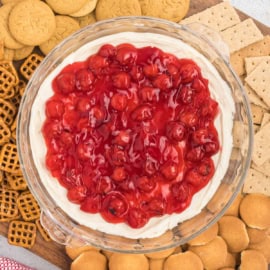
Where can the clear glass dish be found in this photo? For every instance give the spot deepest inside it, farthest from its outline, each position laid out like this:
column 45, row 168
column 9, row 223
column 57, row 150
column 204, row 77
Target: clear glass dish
column 63, row 228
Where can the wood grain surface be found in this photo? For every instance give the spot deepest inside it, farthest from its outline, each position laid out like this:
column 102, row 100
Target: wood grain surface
column 54, row 252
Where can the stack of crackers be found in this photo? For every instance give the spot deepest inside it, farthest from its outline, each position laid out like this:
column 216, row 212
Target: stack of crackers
column 241, row 237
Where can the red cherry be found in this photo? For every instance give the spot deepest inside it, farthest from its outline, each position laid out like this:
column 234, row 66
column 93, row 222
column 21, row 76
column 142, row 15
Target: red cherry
column 189, row 118
column 142, row 113
column 212, row 147
column 189, row 71
column 195, row 154
column 66, row 138
column 52, row 128
column 145, row 183
column 156, row 206
column 175, row 131
column 115, row 207
column 84, row 150
column 96, row 63
column 122, row 138
column 55, row 108
column 199, row 84
column 70, row 119
column 186, row 94
column 84, row 80
column 83, row 105
column 104, row 185
column 173, row 69
column 169, row 170
column 119, row 101
column 66, row 82
column 54, row 161
column 163, row 82
column 201, row 136
column 77, row 194
column 119, row 174
column 136, row 73
column 91, row 204
column 137, row 218
column 107, row 50
column 117, row 156
column 150, row 94
column 121, row 80
column 96, row 116
column 180, row 191
column 150, row 70
column 126, row 55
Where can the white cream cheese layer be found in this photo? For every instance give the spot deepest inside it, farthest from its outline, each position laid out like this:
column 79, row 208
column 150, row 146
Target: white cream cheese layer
column 224, row 122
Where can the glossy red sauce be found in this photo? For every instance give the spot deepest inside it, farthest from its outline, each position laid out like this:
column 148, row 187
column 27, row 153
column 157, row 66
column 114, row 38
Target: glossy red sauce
column 130, row 133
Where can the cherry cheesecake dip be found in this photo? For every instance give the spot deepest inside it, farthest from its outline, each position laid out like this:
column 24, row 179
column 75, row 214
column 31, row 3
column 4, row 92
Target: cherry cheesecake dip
column 132, row 133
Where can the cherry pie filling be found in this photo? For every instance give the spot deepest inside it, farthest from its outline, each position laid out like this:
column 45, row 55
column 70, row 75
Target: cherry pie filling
column 130, row 133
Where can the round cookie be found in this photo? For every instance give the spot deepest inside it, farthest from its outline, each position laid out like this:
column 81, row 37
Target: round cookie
column 5, row 35
column 252, row 259
column 90, row 260
column 256, row 236
column 233, row 210
column 31, row 22
column 119, row 261
column 107, row 9
column 205, row 237
column 8, row 54
column 263, row 247
column 160, row 254
column 184, row 261
column 22, row 53
column 254, row 210
column 87, row 8
column 86, row 20
column 64, row 27
column 66, row 6
column 172, row 10
column 156, row 264
column 74, row 252
column 217, row 247
column 233, row 231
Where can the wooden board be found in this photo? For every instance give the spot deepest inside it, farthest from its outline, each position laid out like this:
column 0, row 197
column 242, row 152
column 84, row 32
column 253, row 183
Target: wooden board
column 54, row 252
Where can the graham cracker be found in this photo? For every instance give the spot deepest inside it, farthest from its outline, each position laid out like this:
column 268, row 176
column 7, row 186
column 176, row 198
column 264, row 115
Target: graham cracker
column 265, row 119
column 261, row 151
column 254, row 98
column 241, row 35
column 259, row 80
column 264, row 168
column 257, row 113
column 252, row 62
column 257, row 182
column 260, row 48
column 218, row 17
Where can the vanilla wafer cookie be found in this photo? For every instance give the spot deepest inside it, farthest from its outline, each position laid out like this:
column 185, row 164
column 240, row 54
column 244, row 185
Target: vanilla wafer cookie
column 66, row 6
column 31, row 22
column 9, row 161
column 87, row 8
column 22, row 233
column 65, row 26
column 5, row 35
column 86, row 20
column 22, row 53
column 107, row 9
column 28, row 207
column 8, row 204
column 7, row 111
column 30, row 64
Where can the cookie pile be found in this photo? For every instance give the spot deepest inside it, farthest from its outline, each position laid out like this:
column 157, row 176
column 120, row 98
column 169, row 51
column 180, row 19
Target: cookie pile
column 241, row 238
column 27, row 24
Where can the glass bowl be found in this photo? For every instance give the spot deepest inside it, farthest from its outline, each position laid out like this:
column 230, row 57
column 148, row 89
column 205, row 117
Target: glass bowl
column 63, row 228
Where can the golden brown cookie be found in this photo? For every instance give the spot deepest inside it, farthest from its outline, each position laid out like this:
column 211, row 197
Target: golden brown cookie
column 255, row 235
column 31, row 22
column 107, row 9
column 89, row 260
column 263, row 247
column 5, row 35
column 156, row 264
column 160, row 254
column 252, row 259
column 172, row 10
column 1, row 49
column 73, row 251
column 119, row 261
column 205, row 237
column 87, row 8
column 233, row 231
column 233, row 210
column 66, row 7
column 254, row 210
column 86, row 20
column 65, row 26
column 8, row 54
column 184, row 261
column 217, row 247
column 22, row 53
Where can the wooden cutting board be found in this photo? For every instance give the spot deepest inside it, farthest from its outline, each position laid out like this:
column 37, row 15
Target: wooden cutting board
column 54, row 252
